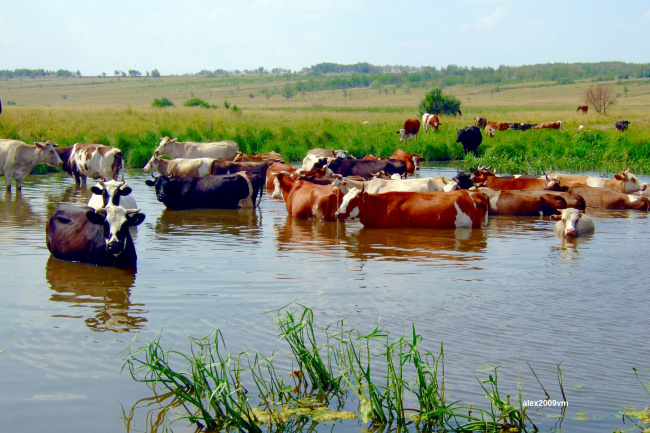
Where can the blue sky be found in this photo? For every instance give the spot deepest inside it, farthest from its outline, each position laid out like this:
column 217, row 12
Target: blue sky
column 186, row 36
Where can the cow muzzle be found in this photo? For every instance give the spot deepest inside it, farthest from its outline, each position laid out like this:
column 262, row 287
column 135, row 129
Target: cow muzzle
column 115, row 247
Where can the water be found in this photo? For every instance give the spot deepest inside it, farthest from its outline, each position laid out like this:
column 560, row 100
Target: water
column 508, row 294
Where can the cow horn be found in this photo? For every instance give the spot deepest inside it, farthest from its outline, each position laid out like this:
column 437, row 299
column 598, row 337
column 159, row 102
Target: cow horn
column 132, row 211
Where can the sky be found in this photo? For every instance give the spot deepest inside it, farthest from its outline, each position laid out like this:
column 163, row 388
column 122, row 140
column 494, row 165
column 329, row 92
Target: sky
column 187, row 36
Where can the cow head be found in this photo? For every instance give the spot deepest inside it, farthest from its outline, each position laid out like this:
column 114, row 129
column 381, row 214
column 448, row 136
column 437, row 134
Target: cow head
column 402, row 135
column 152, row 164
column 631, row 182
column 349, row 208
column 48, row 154
column 567, row 222
column 164, row 144
column 111, row 191
column 116, row 221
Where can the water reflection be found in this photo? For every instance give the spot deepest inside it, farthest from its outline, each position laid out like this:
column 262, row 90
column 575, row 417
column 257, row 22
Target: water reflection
column 104, row 290
column 201, row 222
column 76, row 194
column 460, row 245
column 308, row 235
column 17, row 212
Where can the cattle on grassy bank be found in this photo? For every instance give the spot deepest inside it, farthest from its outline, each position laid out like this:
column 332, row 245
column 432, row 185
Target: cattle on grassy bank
column 622, row 125
column 549, row 125
column 430, row 120
column 409, row 130
column 18, row 159
column 470, row 137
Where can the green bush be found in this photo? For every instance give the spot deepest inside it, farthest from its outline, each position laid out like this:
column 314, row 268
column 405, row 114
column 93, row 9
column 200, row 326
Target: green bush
column 196, row 102
column 162, row 102
column 435, row 102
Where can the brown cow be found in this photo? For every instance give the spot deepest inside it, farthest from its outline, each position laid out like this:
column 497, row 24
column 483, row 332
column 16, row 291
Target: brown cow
column 273, row 171
column 583, row 108
column 409, row 130
column 523, row 203
column 273, row 156
column 489, row 131
column 549, row 125
column 624, row 181
column 488, row 179
column 608, row 199
column 306, row 200
column 435, row 210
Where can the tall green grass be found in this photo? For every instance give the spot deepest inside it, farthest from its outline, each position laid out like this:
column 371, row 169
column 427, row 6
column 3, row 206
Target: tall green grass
column 137, row 132
column 395, row 383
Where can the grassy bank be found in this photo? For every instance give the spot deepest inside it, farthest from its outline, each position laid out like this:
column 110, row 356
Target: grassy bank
column 137, row 131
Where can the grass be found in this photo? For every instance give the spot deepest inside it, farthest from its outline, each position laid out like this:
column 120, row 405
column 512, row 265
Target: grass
column 396, row 385
column 118, row 112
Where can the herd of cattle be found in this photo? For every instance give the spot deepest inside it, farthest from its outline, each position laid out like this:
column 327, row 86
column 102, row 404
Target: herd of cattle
column 329, row 186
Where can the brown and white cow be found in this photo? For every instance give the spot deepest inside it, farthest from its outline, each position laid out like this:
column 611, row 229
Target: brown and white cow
column 624, row 181
column 430, row 120
column 180, row 167
column 319, row 157
column 488, row 179
column 489, row 131
column 409, row 130
column 480, row 122
column 572, row 223
column 96, row 161
column 18, row 159
column 381, row 186
column 306, row 200
column 549, row 125
column 523, row 203
column 609, row 199
column 435, row 210
column 260, row 157
column 274, row 169
column 173, row 148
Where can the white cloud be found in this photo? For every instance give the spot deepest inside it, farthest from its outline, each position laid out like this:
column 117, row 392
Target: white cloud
column 491, row 21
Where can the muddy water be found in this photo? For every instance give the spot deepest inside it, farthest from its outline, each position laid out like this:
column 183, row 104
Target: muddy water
column 508, row 294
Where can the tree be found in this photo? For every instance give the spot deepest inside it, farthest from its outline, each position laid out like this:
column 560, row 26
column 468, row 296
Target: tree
column 600, row 97
column 288, row 91
column 435, row 102
column 134, row 73
column 155, row 73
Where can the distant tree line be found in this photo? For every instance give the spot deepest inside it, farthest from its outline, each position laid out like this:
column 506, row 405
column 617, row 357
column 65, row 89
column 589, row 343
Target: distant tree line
column 33, row 73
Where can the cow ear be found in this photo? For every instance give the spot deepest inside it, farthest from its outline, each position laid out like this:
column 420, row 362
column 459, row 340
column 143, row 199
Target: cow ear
column 150, row 182
column 96, row 190
column 39, row 145
column 135, row 219
column 617, row 176
column 364, row 196
column 126, row 190
column 96, row 217
column 556, row 217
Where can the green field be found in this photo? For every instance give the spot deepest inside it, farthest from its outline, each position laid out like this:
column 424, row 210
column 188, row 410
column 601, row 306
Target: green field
column 118, row 112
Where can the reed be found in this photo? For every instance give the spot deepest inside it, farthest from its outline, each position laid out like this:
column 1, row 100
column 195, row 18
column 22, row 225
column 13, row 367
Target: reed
column 397, row 385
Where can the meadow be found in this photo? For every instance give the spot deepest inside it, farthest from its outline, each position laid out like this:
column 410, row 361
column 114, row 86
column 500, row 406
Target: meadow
column 118, row 112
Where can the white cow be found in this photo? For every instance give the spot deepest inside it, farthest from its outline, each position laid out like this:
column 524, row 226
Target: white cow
column 380, row 186
column 18, row 159
column 187, row 149
column 180, row 167
column 573, row 223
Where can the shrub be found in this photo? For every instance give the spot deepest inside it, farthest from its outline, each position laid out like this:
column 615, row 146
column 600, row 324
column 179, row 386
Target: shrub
column 435, row 102
column 196, row 102
column 162, row 102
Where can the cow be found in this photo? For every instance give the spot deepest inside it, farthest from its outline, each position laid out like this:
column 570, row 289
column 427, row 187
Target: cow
column 624, row 181
column 230, row 191
column 430, row 120
column 549, row 125
column 572, row 223
column 365, row 168
column 470, row 137
column 273, row 156
column 435, row 210
column 273, row 171
column 523, row 203
column 583, row 108
column 306, row 200
column 488, row 179
column 18, row 159
column 380, row 186
column 180, row 167
column 480, row 122
column 606, row 198
column 111, row 192
column 173, row 148
column 489, row 131
column 96, row 236
column 319, row 157
column 220, row 166
column 521, row 126
column 502, row 126
column 622, row 125
column 92, row 160
column 409, row 130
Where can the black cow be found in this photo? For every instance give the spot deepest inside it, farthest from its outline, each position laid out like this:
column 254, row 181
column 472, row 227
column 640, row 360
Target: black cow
column 521, row 126
column 367, row 168
column 622, row 125
column 221, row 166
column 470, row 137
column 100, row 237
column 229, row 191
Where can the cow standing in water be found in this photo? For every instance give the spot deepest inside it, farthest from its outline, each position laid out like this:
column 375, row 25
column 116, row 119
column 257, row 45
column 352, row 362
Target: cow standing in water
column 18, row 159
